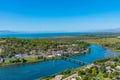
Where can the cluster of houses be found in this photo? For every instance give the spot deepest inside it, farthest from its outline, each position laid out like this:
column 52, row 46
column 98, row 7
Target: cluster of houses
column 50, row 53
column 1, row 60
column 109, row 69
column 71, row 77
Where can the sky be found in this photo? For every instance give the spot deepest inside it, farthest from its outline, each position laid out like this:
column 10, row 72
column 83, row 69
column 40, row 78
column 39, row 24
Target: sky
column 59, row 15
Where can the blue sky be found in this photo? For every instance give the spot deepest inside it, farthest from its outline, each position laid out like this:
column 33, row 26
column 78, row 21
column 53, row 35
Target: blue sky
column 59, row 15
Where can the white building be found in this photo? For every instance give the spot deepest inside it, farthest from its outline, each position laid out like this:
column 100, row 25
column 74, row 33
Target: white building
column 118, row 68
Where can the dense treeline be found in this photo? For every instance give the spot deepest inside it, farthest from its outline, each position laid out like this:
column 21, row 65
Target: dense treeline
column 108, row 40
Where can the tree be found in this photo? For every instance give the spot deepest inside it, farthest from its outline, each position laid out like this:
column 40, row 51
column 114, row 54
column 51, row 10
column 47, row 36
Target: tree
column 94, row 71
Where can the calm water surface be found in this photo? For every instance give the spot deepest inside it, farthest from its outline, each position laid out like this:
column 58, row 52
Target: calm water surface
column 40, row 35
column 36, row 35
column 37, row 70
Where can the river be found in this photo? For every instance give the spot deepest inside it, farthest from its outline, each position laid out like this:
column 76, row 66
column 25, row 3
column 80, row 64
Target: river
column 42, row 69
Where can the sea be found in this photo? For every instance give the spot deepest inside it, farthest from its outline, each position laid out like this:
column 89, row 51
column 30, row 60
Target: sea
column 40, row 35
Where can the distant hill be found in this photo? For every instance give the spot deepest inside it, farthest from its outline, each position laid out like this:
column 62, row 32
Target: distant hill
column 117, row 30
column 112, row 30
column 6, row 32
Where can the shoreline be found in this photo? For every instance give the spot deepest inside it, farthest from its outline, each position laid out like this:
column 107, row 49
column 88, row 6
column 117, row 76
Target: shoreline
column 40, row 60
column 28, row 62
column 75, row 70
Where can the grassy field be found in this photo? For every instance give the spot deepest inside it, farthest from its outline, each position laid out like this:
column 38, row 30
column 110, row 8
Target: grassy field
column 14, row 61
column 112, row 43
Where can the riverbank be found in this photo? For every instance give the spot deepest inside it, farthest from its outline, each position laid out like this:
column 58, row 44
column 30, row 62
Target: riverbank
column 102, row 69
column 28, row 60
